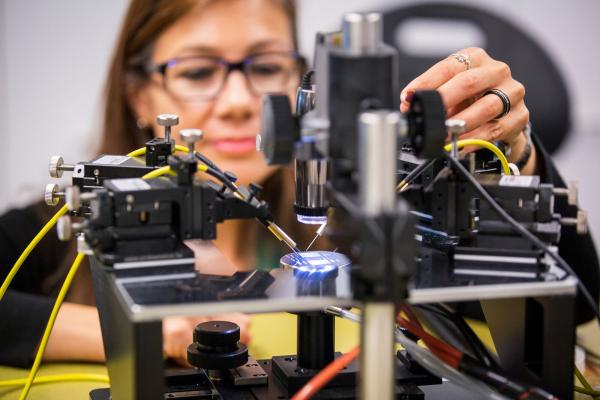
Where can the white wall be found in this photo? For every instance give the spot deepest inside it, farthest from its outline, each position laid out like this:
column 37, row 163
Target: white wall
column 54, row 54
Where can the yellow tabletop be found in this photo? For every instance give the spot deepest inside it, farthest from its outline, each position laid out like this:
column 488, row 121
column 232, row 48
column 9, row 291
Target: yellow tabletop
column 272, row 334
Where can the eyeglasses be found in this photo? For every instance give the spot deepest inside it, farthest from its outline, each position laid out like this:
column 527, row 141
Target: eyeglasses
column 202, row 77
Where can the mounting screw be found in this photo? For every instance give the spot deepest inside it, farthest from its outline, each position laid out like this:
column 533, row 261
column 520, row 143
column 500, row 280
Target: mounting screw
column 57, row 166
column 74, row 197
column 66, row 228
column 191, row 136
column 571, row 192
column 455, row 127
column 580, row 222
column 167, row 120
column 51, row 195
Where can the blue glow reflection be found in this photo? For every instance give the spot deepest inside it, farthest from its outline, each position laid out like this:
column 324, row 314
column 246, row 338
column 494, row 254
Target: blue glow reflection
column 312, row 264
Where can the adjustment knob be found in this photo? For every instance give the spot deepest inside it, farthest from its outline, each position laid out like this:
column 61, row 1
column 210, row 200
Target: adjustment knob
column 427, row 123
column 191, row 136
column 167, row 120
column 580, row 222
column 279, row 129
column 52, row 195
column 57, row 166
column 64, row 228
column 72, row 198
column 216, row 346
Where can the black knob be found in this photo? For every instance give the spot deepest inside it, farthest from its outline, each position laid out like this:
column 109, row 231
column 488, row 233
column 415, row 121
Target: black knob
column 427, row 123
column 279, row 129
column 216, row 346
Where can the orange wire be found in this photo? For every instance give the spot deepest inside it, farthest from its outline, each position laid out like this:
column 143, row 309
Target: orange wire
column 326, row 375
column 444, row 351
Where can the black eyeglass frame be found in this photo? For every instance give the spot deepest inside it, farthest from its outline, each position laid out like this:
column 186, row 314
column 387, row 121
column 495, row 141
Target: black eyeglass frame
column 230, row 66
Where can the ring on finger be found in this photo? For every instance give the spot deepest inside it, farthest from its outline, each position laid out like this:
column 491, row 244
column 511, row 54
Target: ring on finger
column 463, row 59
column 505, row 101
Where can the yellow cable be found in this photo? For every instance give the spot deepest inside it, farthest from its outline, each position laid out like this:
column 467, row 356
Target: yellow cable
column 487, row 145
column 63, row 210
column 142, row 150
column 157, row 172
column 56, row 379
column 59, row 299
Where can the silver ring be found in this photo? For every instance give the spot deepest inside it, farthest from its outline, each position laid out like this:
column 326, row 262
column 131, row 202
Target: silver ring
column 505, row 101
column 462, row 58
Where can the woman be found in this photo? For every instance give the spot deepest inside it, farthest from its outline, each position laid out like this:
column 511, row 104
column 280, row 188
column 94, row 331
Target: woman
column 240, row 49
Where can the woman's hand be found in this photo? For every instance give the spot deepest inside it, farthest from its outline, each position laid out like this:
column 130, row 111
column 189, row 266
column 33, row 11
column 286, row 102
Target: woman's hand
column 178, row 333
column 462, row 86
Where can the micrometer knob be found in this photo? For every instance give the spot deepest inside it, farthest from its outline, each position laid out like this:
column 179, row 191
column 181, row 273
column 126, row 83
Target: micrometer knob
column 64, row 228
column 167, row 120
column 191, row 136
column 52, row 195
column 57, row 166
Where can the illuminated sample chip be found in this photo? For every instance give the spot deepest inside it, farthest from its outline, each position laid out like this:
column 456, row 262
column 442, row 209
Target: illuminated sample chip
column 314, row 261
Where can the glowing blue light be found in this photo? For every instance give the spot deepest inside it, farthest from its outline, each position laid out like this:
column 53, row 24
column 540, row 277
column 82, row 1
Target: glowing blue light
column 311, row 219
column 310, row 263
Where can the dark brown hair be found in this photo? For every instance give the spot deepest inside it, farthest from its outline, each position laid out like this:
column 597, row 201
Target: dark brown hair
column 144, row 22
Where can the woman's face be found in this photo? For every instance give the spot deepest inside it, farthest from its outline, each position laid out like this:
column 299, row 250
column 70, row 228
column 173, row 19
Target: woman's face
column 231, row 30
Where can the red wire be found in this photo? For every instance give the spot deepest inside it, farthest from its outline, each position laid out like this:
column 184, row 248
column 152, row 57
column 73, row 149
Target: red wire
column 444, row 351
column 326, row 375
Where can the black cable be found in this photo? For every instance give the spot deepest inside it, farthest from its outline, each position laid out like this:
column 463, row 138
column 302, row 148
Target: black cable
column 419, row 169
column 306, row 82
column 478, row 349
column 524, row 232
column 207, row 161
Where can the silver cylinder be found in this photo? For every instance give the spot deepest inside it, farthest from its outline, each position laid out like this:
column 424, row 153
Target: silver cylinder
column 377, row 361
column 305, row 101
column 362, row 33
column 377, row 142
column 310, row 178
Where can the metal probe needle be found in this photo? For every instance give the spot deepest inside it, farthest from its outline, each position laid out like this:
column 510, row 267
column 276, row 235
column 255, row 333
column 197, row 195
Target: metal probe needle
column 319, row 233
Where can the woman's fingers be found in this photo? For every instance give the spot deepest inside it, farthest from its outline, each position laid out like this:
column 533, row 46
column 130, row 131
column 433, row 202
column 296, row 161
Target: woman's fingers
column 490, row 106
column 506, row 129
column 441, row 73
column 471, row 84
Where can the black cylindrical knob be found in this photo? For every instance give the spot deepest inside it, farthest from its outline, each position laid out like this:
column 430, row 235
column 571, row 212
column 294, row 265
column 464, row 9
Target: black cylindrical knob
column 216, row 346
column 315, row 340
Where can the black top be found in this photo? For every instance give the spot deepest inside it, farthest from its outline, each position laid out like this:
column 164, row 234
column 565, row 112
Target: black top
column 26, row 306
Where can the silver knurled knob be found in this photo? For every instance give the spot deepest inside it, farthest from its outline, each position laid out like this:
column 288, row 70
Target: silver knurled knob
column 580, row 222
column 457, row 126
column 52, row 195
column 74, row 197
column 191, row 136
column 167, row 120
column 64, row 228
column 571, row 192
column 57, row 166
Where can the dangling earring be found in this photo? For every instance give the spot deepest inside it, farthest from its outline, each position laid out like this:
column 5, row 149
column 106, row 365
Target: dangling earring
column 142, row 123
